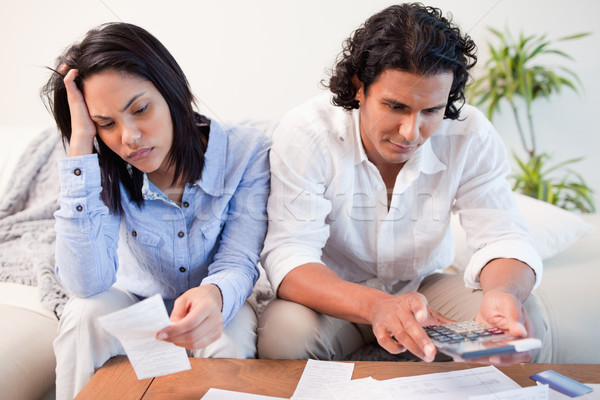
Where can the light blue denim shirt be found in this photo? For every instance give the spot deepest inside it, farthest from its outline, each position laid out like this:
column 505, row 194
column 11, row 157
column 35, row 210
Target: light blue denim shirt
column 214, row 237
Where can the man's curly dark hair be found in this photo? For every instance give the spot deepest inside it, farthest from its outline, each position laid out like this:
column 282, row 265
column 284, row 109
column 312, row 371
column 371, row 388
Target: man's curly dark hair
column 408, row 37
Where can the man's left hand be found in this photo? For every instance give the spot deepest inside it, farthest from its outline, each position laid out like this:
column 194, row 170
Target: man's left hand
column 504, row 311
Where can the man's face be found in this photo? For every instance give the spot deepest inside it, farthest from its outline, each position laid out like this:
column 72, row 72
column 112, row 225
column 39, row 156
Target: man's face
column 398, row 113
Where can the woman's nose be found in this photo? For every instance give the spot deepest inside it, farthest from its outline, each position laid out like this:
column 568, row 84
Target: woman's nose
column 130, row 134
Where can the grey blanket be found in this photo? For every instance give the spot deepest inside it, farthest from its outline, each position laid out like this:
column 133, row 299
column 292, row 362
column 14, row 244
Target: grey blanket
column 27, row 221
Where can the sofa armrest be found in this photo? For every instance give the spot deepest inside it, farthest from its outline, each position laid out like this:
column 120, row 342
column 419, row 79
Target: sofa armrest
column 28, row 362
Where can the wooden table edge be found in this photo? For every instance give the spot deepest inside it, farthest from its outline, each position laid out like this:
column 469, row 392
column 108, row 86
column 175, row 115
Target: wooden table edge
column 116, row 379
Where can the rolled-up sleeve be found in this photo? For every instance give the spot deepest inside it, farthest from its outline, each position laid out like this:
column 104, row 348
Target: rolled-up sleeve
column 86, row 234
column 297, row 206
column 488, row 211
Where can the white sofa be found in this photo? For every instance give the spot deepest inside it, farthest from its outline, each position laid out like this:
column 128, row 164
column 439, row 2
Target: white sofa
column 28, row 329
column 568, row 290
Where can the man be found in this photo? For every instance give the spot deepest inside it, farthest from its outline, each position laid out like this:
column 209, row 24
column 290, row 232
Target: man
column 361, row 196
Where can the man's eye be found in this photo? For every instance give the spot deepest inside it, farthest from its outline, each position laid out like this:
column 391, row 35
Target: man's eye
column 396, row 107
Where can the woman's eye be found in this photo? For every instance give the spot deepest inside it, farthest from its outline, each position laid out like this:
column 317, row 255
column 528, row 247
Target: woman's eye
column 141, row 110
column 106, row 126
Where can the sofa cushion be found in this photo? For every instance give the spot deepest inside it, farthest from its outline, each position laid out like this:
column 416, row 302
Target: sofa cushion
column 553, row 229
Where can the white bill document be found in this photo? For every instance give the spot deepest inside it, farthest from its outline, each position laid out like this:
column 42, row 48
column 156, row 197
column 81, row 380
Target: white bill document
column 454, row 385
column 539, row 392
column 136, row 327
column 359, row 389
column 318, row 376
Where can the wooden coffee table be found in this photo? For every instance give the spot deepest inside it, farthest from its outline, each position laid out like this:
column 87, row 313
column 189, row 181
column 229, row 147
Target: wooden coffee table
column 117, row 380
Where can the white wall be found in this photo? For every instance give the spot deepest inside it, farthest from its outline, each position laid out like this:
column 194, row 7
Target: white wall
column 257, row 59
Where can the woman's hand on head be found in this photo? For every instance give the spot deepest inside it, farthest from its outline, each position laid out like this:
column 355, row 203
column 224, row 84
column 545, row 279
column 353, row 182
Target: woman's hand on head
column 196, row 320
column 83, row 129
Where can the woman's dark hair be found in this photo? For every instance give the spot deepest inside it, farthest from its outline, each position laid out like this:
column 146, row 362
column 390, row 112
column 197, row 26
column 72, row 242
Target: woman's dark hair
column 133, row 51
column 408, row 37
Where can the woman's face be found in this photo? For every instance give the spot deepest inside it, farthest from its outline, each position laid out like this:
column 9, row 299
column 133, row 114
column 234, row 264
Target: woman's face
column 132, row 118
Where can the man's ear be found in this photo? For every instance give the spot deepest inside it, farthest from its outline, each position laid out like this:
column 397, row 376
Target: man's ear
column 360, row 93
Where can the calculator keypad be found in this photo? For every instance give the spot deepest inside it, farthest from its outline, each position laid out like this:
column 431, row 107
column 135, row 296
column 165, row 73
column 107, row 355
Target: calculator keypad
column 461, row 331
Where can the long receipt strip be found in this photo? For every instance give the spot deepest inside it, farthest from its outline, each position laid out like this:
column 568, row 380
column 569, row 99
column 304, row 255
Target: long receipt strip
column 135, row 327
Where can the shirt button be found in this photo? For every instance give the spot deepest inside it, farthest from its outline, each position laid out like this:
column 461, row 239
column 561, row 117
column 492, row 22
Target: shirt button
column 186, row 204
column 134, row 233
column 181, row 234
column 77, row 171
column 182, row 269
column 79, row 208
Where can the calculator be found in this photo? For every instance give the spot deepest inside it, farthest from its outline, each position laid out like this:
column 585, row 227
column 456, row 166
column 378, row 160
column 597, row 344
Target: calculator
column 471, row 339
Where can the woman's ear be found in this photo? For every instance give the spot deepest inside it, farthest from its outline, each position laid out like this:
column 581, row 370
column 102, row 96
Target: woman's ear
column 360, row 92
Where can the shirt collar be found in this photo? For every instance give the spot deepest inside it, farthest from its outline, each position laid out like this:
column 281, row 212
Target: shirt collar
column 360, row 155
column 150, row 191
column 425, row 159
column 213, row 172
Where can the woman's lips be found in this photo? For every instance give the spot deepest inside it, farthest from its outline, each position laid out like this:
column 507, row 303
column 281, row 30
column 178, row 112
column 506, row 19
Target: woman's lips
column 138, row 155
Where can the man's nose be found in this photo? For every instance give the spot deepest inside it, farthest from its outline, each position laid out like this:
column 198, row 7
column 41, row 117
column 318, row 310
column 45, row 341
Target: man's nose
column 409, row 127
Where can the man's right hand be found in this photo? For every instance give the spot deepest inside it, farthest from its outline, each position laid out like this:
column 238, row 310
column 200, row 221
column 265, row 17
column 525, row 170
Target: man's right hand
column 83, row 129
column 398, row 324
column 397, row 321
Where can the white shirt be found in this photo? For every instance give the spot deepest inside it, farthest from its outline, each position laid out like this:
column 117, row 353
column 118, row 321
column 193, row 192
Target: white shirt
column 329, row 204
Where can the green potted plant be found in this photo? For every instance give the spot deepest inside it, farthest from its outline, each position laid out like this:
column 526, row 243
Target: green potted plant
column 514, row 75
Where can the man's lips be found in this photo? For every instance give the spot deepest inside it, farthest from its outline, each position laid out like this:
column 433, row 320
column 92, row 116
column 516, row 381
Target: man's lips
column 401, row 148
column 138, row 155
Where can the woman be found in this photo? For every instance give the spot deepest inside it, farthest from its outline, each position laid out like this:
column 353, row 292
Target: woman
column 155, row 198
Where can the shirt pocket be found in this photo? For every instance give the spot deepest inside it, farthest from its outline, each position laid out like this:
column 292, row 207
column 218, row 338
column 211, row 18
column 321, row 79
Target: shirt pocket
column 146, row 247
column 211, row 233
column 428, row 234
